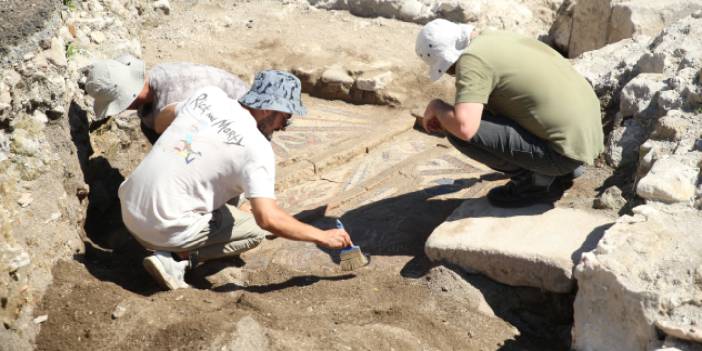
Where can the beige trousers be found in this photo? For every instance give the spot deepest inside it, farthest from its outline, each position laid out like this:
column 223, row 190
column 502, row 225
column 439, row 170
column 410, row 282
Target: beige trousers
column 229, row 233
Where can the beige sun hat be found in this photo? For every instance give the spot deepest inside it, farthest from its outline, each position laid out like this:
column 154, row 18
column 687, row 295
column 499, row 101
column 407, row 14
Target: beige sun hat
column 440, row 43
column 115, row 84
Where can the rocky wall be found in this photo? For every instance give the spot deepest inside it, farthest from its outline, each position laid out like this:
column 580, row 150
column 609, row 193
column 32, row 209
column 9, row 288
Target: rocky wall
column 529, row 17
column 585, row 25
column 45, row 146
column 651, row 92
column 639, row 289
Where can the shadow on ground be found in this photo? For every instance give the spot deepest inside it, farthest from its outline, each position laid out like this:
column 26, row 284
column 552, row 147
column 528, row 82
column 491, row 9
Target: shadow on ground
column 111, row 253
column 544, row 319
column 401, row 224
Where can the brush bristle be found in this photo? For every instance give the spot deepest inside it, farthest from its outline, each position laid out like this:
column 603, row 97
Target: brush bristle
column 351, row 259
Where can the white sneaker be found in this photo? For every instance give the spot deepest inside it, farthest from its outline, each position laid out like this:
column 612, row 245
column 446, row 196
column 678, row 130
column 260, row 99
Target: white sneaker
column 167, row 271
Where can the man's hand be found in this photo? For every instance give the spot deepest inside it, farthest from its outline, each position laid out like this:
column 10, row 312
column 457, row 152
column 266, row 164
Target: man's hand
column 430, row 121
column 336, row 239
column 462, row 121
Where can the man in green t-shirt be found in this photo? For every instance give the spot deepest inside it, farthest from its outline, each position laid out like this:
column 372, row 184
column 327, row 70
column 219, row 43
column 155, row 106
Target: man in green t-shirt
column 520, row 109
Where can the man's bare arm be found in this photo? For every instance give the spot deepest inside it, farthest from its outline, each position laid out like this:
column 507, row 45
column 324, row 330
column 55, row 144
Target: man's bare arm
column 164, row 118
column 461, row 120
column 273, row 219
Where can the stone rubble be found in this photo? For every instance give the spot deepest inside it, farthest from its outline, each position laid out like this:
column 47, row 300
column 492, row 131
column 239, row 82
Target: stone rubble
column 653, row 94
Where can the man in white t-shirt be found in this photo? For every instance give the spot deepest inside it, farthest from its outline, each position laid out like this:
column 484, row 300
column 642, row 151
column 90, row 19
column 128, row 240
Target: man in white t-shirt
column 214, row 149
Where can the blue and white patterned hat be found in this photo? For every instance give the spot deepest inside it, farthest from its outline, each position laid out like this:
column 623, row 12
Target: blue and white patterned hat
column 277, row 91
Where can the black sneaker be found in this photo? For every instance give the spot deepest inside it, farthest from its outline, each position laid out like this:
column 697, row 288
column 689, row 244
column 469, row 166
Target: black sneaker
column 523, row 190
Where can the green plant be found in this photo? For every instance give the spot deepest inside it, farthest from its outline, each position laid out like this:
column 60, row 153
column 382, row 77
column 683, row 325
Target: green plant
column 71, row 50
column 70, row 4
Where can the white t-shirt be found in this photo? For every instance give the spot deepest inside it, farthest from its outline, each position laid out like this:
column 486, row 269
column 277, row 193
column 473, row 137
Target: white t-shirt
column 211, row 153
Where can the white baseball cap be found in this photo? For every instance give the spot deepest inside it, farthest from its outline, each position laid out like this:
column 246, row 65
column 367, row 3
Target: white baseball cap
column 440, row 43
column 115, row 84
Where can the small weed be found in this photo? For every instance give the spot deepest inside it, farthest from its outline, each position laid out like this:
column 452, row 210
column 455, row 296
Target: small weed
column 71, row 50
column 71, row 4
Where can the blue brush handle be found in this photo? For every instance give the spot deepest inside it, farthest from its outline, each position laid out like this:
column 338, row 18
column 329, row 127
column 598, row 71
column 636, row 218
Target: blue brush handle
column 340, row 225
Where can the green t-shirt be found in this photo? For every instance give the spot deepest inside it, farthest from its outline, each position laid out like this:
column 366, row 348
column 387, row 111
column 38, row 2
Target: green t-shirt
column 525, row 80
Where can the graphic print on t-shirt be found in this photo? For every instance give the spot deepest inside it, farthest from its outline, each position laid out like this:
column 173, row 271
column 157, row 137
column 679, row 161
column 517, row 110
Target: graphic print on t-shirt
column 185, row 149
column 200, row 116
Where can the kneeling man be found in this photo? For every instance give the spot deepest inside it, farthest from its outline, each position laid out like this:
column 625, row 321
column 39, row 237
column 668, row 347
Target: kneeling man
column 214, row 149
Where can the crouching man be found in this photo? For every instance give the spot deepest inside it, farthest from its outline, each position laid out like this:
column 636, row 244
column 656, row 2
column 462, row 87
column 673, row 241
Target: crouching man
column 214, row 149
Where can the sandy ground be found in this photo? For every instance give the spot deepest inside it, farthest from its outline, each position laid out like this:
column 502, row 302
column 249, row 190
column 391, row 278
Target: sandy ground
column 287, row 295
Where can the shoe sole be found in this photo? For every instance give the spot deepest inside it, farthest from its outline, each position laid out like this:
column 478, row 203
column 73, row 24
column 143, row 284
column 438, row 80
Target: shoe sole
column 156, row 269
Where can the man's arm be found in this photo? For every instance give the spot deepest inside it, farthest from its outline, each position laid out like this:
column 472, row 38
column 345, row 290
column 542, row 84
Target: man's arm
column 165, row 118
column 461, row 120
column 273, row 219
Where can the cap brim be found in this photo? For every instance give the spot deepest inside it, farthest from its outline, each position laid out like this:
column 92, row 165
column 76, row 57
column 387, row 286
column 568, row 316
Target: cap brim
column 434, row 74
column 255, row 100
column 438, row 69
column 132, row 82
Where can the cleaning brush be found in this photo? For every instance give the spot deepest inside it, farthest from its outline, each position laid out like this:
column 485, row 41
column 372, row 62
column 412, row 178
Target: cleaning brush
column 351, row 258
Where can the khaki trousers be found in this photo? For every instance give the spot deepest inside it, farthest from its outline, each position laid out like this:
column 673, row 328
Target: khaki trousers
column 229, row 233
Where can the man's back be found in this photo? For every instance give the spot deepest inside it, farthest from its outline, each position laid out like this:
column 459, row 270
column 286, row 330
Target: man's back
column 211, row 153
column 527, row 81
column 175, row 82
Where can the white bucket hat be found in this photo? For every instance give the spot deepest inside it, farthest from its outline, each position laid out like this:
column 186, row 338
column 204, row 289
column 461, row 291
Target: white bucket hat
column 115, row 84
column 440, row 43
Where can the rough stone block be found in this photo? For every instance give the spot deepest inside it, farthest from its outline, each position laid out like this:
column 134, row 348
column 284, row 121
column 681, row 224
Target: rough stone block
column 671, row 127
column 163, row 6
column 537, row 246
column 308, row 77
column 624, row 142
column 596, row 23
column 335, row 83
column 638, row 96
column 669, row 180
column 610, row 68
column 374, row 81
column 337, row 75
column 611, row 199
column 644, row 273
column 57, row 53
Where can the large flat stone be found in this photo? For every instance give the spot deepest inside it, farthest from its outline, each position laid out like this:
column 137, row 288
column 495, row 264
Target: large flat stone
column 537, row 246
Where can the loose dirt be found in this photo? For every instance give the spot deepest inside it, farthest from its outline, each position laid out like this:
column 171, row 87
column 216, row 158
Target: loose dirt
column 287, row 295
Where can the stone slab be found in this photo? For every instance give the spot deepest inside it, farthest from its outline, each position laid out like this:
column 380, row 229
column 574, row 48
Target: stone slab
column 537, row 246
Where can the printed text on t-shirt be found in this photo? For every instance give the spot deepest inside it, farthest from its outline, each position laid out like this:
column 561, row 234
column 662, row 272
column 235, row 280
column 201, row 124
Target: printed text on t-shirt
column 231, row 137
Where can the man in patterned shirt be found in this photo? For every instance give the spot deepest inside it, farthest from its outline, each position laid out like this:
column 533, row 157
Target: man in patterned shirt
column 122, row 84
